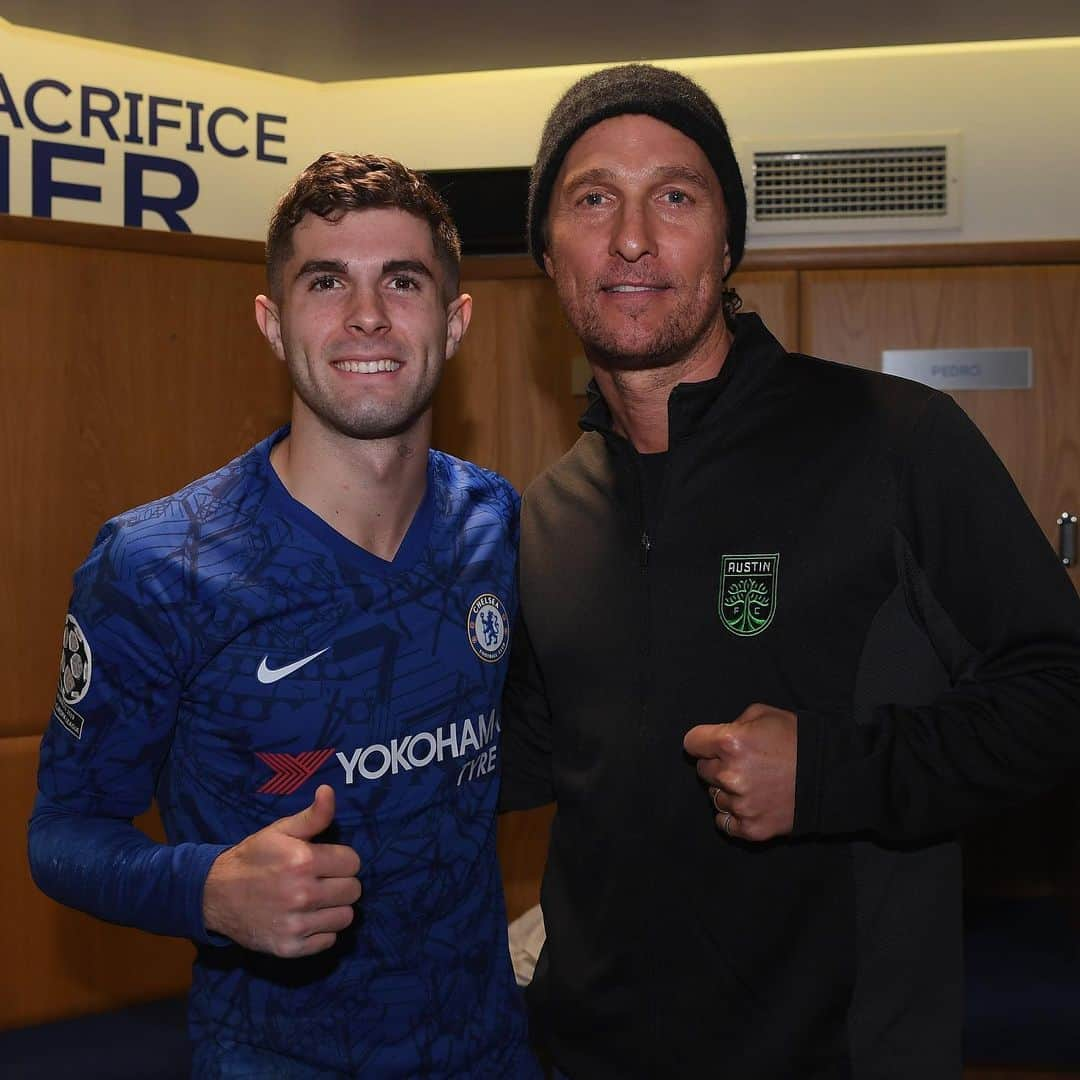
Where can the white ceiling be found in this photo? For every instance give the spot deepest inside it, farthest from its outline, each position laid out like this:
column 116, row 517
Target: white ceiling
column 334, row 40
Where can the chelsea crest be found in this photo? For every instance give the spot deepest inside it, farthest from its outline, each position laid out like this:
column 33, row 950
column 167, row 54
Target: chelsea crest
column 489, row 627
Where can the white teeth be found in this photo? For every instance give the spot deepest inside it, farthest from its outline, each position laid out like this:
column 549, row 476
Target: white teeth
column 366, row 367
column 631, row 288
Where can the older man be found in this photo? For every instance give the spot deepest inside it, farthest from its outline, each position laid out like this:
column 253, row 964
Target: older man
column 804, row 629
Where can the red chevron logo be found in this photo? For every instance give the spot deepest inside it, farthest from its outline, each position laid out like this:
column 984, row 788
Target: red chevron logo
column 290, row 770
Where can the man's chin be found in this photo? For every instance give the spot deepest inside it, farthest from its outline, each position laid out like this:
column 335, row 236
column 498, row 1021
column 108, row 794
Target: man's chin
column 370, row 424
column 622, row 355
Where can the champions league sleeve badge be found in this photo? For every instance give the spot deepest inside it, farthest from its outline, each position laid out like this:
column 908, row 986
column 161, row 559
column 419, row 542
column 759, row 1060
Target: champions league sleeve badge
column 489, row 627
column 76, row 664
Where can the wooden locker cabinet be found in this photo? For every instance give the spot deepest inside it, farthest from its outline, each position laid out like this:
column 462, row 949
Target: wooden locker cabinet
column 853, row 315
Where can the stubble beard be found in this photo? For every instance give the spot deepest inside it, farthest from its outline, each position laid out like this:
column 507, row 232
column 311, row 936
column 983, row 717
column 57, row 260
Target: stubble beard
column 633, row 348
column 367, row 419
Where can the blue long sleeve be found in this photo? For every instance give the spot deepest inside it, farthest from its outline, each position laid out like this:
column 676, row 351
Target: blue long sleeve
column 109, row 868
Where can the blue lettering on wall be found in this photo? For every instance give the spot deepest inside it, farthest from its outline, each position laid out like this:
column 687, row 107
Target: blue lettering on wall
column 5, row 175
column 133, row 100
column 30, row 105
column 7, row 103
column 159, row 121
column 137, row 202
column 136, row 118
column 100, row 114
column 105, row 114
column 262, row 137
column 45, row 188
column 193, row 143
column 211, row 131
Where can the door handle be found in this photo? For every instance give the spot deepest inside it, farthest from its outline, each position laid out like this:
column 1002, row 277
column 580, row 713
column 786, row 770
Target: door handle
column 1067, row 538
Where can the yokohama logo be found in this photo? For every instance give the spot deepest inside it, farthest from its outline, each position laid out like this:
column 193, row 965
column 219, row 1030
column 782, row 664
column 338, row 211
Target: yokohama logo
column 291, row 770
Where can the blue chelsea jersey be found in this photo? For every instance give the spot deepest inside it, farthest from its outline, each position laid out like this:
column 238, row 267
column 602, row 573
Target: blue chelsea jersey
column 229, row 651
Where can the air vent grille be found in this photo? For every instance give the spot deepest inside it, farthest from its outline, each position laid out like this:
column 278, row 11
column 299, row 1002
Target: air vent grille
column 863, row 182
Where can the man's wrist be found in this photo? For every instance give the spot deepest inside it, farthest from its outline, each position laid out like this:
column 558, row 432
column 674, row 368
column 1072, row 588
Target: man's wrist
column 204, row 928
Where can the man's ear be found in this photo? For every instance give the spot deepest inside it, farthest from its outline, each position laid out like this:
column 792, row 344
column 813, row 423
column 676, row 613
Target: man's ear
column 268, row 317
column 458, row 315
column 549, row 266
column 727, row 261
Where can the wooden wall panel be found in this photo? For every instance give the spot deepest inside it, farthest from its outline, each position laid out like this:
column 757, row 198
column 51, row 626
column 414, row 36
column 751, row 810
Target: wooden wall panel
column 58, row 962
column 852, row 316
column 505, row 399
column 127, row 375
column 774, row 295
column 523, row 845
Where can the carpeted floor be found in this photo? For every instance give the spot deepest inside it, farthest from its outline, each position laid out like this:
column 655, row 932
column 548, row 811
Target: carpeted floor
column 1023, row 983
column 1023, row 1011
column 143, row 1042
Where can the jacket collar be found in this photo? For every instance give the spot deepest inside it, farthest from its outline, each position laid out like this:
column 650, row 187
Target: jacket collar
column 691, row 406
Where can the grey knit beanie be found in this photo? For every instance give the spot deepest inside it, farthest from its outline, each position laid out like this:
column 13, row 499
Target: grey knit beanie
column 652, row 91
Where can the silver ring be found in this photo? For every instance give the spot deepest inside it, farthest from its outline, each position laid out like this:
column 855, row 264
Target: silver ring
column 716, row 806
column 725, row 823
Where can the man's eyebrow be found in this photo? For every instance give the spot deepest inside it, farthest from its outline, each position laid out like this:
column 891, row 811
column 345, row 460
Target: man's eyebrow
column 601, row 175
column 322, row 266
column 391, row 266
column 411, row 266
column 598, row 175
column 684, row 173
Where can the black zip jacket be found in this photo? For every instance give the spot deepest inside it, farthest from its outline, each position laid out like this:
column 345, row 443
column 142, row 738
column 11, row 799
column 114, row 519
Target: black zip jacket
column 826, row 540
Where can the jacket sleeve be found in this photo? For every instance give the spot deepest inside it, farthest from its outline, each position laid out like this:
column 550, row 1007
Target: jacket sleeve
column 998, row 606
column 526, row 729
column 111, row 729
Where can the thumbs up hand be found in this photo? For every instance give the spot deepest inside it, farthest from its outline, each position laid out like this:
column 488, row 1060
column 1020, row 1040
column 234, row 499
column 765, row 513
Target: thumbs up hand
column 277, row 892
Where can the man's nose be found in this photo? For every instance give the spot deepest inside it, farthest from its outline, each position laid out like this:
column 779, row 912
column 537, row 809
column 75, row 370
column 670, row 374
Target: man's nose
column 368, row 313
column 633, row 234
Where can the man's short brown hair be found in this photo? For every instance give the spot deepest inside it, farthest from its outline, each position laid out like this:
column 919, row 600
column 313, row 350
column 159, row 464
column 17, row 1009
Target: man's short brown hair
column 337, row 183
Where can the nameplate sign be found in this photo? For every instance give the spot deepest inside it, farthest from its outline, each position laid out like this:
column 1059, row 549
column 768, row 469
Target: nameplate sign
column 962, row 369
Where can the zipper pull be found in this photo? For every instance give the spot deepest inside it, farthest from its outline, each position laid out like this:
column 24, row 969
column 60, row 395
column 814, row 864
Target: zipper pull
column 646, row 543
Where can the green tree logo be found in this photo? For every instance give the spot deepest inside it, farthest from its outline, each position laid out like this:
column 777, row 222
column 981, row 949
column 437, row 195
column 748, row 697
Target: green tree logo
column 747, row 600
column 746, row 606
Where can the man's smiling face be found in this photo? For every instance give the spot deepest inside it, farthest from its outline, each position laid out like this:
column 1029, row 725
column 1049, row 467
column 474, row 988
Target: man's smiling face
column 636, row 244
column 363, row 323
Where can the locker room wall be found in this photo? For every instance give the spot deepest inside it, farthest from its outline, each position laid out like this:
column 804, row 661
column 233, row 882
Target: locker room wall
column 133, row 365
column 130, row 369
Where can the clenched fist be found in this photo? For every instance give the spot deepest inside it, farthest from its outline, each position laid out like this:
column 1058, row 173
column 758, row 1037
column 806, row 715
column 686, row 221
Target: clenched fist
column 749, row 766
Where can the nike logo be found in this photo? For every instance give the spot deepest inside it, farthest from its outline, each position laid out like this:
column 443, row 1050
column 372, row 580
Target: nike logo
column 267, row 674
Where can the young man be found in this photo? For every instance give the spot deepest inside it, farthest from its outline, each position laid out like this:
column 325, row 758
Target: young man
column 301, row 655
column 805, row 630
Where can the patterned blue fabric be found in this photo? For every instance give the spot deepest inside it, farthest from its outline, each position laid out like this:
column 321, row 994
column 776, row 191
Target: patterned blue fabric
column 228, row 651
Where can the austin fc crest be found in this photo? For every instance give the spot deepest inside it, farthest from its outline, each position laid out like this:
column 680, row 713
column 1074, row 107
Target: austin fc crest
column 748, row 592
column 489, row 627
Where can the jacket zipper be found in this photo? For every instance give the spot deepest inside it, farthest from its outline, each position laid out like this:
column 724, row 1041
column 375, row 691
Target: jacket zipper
column 644, row 550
